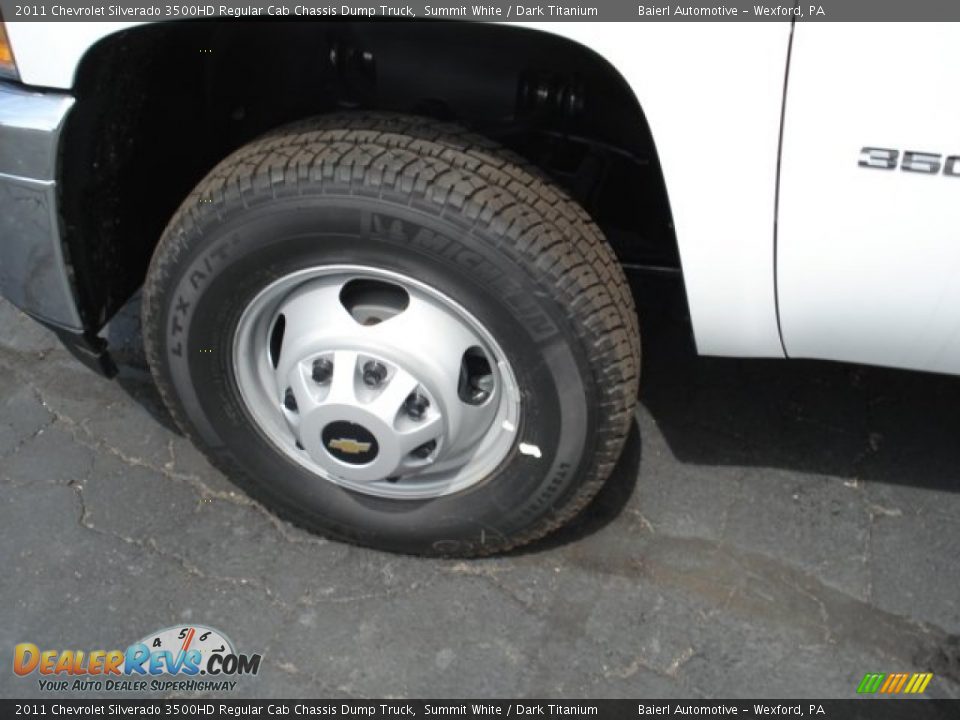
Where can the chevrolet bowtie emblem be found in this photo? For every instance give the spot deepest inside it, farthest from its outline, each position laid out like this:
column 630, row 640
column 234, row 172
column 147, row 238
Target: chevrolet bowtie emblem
column 349, row 446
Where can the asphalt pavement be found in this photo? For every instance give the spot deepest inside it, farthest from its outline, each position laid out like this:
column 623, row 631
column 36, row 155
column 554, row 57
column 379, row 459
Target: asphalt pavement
column 774, row 528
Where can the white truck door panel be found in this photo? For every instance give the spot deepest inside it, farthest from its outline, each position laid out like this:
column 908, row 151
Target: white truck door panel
column 868, row 260
column 712, row 93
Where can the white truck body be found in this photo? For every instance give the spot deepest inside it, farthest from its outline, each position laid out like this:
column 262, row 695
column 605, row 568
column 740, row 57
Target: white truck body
column 803, row 253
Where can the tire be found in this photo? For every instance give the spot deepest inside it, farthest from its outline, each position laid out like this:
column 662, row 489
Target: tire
column 463, row 225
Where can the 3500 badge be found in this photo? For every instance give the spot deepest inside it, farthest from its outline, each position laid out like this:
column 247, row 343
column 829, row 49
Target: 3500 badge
column 918, row 162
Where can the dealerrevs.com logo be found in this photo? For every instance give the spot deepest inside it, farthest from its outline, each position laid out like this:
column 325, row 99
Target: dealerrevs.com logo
column 183, row 658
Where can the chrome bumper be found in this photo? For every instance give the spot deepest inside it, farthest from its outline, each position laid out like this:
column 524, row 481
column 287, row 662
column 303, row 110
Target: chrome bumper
column 33, row 273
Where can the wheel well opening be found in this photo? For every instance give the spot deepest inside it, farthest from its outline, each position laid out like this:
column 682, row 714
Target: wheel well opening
column 158, row 105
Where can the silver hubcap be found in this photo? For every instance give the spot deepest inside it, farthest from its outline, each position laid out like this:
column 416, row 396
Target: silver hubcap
column 376, row 382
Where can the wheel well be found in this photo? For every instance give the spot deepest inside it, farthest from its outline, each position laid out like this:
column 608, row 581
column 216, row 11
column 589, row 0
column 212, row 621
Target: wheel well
column 158, row 105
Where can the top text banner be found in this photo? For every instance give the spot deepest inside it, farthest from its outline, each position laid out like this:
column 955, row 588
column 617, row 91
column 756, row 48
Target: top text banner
column 494, row 11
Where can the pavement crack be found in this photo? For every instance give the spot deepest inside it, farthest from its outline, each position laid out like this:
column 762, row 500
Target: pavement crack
column 880, row 511
column 642, row 519
column 487, row 572
column 679, row 661
column 150, row 546
column 84, row 437
column 26, row 440
column 671, row 672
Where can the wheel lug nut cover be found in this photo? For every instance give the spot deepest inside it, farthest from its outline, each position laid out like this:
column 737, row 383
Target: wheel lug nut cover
column 322, row 370
column 416, row 405
column 424, row 450
column 374, row 373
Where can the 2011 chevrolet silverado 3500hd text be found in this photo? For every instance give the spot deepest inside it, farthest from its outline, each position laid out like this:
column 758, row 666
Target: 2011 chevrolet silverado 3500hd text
column 383, row 263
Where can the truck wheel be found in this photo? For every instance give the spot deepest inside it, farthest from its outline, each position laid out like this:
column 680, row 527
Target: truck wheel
column 397, row 333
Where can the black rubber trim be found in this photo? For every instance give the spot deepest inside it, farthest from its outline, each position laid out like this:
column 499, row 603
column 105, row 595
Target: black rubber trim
column 90, row 349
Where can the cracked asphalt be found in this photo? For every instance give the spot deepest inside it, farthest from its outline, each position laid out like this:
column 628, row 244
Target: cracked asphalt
column 774, row 528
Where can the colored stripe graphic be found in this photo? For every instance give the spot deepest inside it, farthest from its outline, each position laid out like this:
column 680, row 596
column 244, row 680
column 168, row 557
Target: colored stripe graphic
column 922, row 682
column 870, row 683
column 894, row 683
